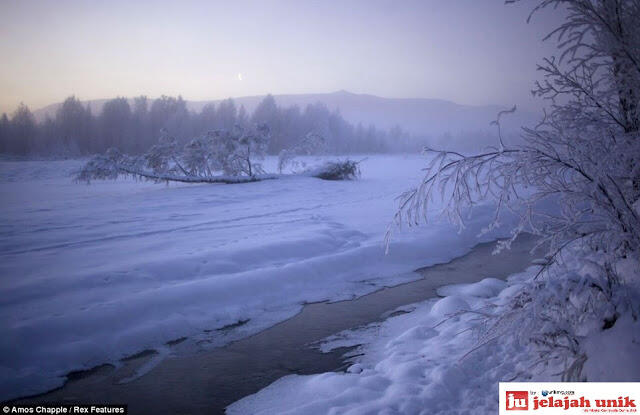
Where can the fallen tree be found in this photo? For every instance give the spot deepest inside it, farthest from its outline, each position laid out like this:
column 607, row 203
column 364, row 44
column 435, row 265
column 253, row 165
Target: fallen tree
column 222, row 156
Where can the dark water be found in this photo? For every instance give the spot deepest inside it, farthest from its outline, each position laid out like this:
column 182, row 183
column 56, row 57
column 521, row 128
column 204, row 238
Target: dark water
column 207, row 382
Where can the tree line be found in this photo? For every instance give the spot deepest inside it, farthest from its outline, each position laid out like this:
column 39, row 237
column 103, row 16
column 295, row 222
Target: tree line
column 134, row 125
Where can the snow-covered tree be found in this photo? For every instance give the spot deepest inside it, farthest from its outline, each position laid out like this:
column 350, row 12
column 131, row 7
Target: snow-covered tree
column 221, row 156
column 250, row 146
column 585, row 152
column 237, row 151
column 162, row 158
column 197, row 156
column 585, row 158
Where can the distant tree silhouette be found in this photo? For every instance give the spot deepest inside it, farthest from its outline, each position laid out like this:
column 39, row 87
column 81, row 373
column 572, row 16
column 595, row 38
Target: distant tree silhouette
column 73, row 123
column 115, row 125
column 22, row 131
column 133, row 125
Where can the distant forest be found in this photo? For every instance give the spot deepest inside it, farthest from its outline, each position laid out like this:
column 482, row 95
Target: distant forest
column 133, row 128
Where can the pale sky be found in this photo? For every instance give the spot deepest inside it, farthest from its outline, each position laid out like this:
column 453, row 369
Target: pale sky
column 467, row 51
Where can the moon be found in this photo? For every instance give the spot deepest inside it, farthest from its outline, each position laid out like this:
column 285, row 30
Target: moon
column 239, row 76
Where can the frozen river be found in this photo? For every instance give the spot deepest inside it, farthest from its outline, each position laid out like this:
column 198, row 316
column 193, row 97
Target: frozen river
column 92, row 274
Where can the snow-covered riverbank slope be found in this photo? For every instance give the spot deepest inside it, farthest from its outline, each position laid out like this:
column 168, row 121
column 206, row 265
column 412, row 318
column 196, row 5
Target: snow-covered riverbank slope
column 91, row 274
column 448, row 355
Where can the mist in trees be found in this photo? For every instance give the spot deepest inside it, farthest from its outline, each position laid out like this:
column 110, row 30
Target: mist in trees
column 134, row 125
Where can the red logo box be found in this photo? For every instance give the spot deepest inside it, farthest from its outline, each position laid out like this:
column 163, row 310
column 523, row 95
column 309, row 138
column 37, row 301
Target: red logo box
column 517, row 400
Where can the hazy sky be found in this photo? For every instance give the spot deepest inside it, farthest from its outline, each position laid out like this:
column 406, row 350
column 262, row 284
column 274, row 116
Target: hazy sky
column 468, row 51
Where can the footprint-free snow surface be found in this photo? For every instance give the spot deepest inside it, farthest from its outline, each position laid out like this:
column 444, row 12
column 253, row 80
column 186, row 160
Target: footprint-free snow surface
column 90, row 274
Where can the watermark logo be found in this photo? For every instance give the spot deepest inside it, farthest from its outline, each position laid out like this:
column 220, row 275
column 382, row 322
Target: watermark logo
column 569, row 398
column 517, row 400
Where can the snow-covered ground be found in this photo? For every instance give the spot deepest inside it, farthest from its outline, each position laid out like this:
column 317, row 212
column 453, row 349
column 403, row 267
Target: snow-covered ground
column 414, row 363
column 444, row 357
column 91, row 274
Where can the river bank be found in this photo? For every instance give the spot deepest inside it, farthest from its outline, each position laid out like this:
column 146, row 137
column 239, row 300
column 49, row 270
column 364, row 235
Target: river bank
column 183, row 379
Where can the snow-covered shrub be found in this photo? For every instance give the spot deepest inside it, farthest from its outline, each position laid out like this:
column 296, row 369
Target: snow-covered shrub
column 584, row 159
column 337, row 170
column 557, row 313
